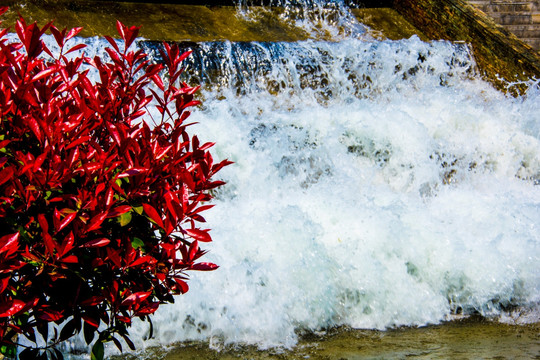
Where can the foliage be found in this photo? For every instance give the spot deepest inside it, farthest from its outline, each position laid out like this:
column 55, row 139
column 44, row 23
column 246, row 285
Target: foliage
column 99, row 212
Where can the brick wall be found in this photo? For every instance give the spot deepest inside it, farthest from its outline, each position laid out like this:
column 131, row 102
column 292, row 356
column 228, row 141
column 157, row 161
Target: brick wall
column 520, row 17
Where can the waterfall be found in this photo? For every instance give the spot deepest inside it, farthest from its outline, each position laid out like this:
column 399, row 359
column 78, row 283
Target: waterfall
column 376, row 184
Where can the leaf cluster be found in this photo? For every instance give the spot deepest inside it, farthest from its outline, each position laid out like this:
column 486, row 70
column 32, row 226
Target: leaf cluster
column 100, row 212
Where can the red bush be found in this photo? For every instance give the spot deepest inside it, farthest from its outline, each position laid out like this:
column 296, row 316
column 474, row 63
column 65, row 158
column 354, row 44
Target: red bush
column 99, row 211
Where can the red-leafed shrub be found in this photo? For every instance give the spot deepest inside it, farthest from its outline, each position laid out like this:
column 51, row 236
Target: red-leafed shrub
column 99, row 210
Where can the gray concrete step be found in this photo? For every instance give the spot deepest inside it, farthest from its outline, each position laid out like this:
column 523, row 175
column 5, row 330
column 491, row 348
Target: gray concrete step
column 512, row 18
column 533, row 42
column 508, row 7
column 518, row 16
column 525, row 31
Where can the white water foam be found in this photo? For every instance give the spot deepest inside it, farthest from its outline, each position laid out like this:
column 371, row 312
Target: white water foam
column 399, row 203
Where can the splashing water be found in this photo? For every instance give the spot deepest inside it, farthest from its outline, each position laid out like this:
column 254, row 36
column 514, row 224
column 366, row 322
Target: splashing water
column 376, row 184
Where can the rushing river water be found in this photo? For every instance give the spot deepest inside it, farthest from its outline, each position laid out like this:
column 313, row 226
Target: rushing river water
column 376, row 184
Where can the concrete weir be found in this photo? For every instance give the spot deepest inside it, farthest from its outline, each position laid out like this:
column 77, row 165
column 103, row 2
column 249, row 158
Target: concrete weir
column 501, row 57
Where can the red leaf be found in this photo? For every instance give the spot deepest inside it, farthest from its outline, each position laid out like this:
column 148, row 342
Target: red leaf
column 65, row 222
column 170, row 225
column 147, row 310
column 201, row 208
column 76, row 47
column 189, row 104
column 57, row 215
column 203, row 266
column 11, row 308
column 207, row 146
column 43, row 223
column 173, row 205
column 9, row 243
column 214, row 184
column 58, row 36
column 162, row 152
column 131, row 35
column 143, row 260
column 96, row 243
column 121, row 29
column 114, row 257
column 182, row 284
column 123, row 319
column 50, row 315
column 78, row 141
column 198, row 234
column 184, row 55
column 4, row 143
column 112, row 42
column 34, row 126
column 136, row 298
column 157, row 80
column 6, row 174
column 72, row 259
column 96, row 221
column 217, row 167
column 73, row 32
column 193, row 248
column 44, row 73
column 50, row 244
column 67, row 245
column 153, row 215
column 73, row 156
column 93, row 301
column 32, row 42
column 91, row 321
column 186, row 177
column 4, row 283
column 39, row 161
column 131, row 172
column 20, row 26
column 119, row 210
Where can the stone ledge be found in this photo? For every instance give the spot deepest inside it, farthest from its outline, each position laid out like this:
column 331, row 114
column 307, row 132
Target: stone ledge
column 525, row 31
column 512, row 19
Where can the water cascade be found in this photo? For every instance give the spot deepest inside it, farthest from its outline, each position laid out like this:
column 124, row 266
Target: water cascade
column 376, row 184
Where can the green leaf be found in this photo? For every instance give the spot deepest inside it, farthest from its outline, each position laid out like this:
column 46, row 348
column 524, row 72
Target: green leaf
column 69, row 329
column 8, row 350
column 137, row 243
column 138, row 209
column 43, row 329
column 89, row 333
column 98, row 351
column 22, row 319
column 32, row 354
column 125, row 218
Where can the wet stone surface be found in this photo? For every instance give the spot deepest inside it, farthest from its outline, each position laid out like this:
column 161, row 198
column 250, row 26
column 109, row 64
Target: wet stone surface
column 463, row 339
